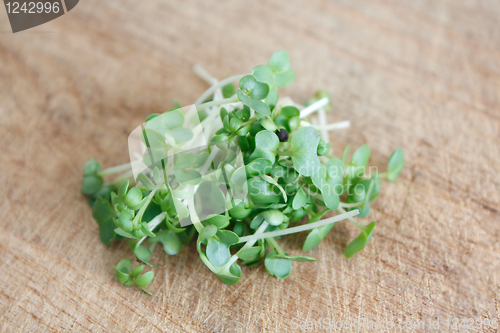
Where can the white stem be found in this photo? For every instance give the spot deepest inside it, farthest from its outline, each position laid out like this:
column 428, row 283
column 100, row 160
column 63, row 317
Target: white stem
column 300, row 228
column 204, row 75
column 338, row 125
column 212, row 89
column 330, row 127
column 322, row 120
column 313, row 107
column 153, row 224
column 229, row 100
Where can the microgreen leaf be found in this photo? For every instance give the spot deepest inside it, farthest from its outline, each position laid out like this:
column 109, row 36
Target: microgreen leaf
column 303, row 146
column 103, row 214
column 253, row 88
column 219, row 221
column 145, row 279
column 317, row 234
column 280, row 268
column 396, row 164
column 266, row 143
column 228, row 90
column 360, row 242
column 292, row 258
column 280, row 61
column 361, row 156
column 250, row 254
column 217, row 252
column 273, row 216
column 261, row 192
column 254, row 104
column 300, row 199
column 138, row 270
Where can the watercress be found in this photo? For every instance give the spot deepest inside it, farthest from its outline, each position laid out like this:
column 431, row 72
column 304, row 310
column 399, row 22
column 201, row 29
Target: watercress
column 288, row 173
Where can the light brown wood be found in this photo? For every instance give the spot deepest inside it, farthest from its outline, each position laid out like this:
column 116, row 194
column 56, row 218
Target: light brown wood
column 422, row 75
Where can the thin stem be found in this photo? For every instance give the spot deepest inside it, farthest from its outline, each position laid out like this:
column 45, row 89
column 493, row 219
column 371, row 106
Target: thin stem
column 204, row 75
column 276, row 246
column 356, row 223
column 115, row 169
column 277, row 233
column 212, row 89
column 322, row 120
column 122, row 178
column 229, row 100
column 313, row 107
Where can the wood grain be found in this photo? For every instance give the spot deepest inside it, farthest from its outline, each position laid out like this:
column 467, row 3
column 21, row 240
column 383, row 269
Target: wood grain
column 422, row 75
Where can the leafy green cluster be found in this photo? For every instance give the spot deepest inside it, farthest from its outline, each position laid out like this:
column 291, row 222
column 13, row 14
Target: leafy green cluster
column 287, row 179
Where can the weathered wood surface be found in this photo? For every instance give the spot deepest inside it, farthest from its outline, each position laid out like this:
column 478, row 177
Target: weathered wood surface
column 422, row 75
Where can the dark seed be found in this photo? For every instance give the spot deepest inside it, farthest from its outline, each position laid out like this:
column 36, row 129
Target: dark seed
column 282, row 135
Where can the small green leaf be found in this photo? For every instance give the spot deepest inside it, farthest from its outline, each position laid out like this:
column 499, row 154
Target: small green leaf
column 142, row 253
column 303, row 145
column 259, row 166
column 293, row 258
column 263, row 73
column 122, row 190
column 171, row 243
column 133, row 198
column 254, row 89
column 396, row 164
column 266, row 143
column 92, row 167
column 360, row 242
column 250, row 254
column 300, row 199
column 103, row 214
column 91, row 184
column 280, row 268
column 122, row 272
column 145, row 279
column 280, row 61
column 290, row 112
column 125, row 221
column 228, row 237
column 317, row 234
column 207, row 232
column 156, row 175
column 124, row 266
column 228, row 90
column 219, row 221
column 261, row 192
column 284, row 78
column 217, row 252
column 145, row 181
column 254, row 104
column 138, row 270
column 271, row 180
column 361, row 156
column 273, row 216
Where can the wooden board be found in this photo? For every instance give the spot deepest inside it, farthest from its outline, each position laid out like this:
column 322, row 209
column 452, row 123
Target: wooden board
column 422, row 75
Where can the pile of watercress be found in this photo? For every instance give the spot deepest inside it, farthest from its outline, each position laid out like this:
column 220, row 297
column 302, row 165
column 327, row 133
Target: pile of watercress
column 288, row 174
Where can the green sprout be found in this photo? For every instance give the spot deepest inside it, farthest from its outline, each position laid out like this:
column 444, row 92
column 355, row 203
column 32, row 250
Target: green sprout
column 289, row 172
